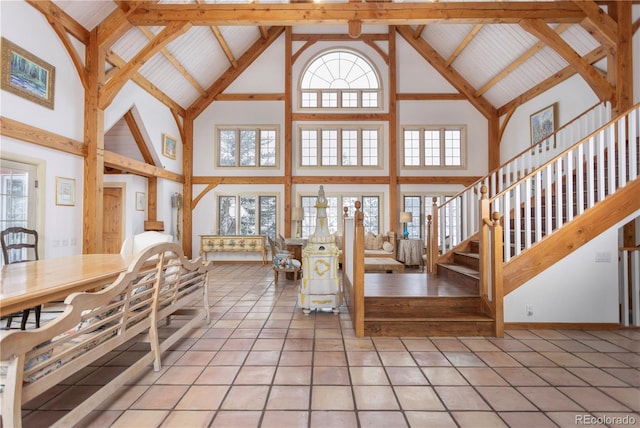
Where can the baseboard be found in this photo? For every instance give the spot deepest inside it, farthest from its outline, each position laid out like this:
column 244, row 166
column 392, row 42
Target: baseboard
column 561, row 326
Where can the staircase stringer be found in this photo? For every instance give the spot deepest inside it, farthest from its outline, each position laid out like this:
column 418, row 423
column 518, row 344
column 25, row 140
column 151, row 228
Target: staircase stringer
column 571, row 236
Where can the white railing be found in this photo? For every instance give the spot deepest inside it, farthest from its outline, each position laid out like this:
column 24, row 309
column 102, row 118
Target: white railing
column 458, row 218
column 629, row 280
column 569, row 183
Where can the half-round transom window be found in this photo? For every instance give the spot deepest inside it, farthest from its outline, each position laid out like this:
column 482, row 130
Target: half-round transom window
column 340, row 79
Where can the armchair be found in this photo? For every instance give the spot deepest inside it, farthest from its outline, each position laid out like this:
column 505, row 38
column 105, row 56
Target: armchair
column 283, row 262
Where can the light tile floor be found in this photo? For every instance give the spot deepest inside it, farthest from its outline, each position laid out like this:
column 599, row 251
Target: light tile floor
column 261, row 362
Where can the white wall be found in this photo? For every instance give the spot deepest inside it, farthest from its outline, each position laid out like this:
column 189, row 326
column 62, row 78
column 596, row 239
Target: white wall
column 572, row 97
column 577, row 289
column 59, row 227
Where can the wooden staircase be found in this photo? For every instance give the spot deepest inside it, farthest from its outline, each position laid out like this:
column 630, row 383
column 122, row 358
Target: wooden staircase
column 426, row 316
column 434, row 315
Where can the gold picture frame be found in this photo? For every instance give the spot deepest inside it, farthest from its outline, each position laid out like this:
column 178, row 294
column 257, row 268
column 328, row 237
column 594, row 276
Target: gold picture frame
column 65, row 191
column 169, row 146
column 139, row 201
column 26, row 75
column 543, row 124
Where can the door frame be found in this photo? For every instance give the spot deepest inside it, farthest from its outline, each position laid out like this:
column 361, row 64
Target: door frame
column 39, row 202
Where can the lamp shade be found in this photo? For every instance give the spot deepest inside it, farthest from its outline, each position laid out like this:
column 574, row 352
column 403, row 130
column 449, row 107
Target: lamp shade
column 297, row 214
column 406, row 217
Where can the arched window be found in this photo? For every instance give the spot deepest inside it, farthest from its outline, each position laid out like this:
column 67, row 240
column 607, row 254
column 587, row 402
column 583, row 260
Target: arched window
column 340, row 79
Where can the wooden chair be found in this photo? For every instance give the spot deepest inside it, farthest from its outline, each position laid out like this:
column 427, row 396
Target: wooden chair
column 283, row 262
column 17, row 243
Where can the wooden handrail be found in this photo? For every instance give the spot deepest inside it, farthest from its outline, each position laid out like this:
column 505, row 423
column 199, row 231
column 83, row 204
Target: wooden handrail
column 503, row 175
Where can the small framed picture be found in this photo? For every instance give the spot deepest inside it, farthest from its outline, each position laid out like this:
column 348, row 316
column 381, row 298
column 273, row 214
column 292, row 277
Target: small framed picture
column 139, row 201
column 65, row 191
column 169, row 146
column 543, row 124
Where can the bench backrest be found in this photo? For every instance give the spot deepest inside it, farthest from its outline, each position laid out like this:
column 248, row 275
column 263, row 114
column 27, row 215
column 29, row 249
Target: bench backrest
column 159, row 280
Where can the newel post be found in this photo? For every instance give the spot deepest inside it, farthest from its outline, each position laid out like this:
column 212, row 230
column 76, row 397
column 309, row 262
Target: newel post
column 427, row 262
column 497, row 290
column 434, row 237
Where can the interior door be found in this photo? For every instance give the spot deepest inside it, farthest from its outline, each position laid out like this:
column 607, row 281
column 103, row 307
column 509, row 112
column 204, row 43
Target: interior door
column 112, row 220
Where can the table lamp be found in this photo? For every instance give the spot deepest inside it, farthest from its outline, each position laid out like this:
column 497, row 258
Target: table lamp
column 297, row 215
column 406, row 218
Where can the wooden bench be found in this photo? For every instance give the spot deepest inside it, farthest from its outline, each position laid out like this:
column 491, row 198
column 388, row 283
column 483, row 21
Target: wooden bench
column 233, row 243
column 159, row 284
column 382, row 264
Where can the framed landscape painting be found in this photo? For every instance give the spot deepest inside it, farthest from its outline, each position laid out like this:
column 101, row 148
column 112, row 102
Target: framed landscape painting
column 65, row 191
column 543, row 124
column 26, row 75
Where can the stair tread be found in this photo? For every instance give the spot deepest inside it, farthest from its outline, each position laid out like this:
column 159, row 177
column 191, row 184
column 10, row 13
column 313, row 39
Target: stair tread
column 468, row 254
column 461, row 269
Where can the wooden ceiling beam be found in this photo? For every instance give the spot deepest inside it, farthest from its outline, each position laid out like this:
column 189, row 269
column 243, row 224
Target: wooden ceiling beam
column 222, row 42
column 138, row 138
column 369, row 37
column 141, row 81
column 71, row 50
column 232, row 74
column 271, row 14
column 123, row 163
column 115, row 25
column 451, row 75
column 559, row 77
column 600, row 25
column 518, row 62
column 593, row 77
column 108, row 92
column 463, row 44
column 169, row 56
column 49, row 9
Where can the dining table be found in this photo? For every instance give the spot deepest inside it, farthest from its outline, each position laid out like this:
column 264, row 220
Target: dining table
column 29, row 284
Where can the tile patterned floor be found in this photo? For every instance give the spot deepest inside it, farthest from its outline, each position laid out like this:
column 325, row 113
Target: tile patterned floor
column 262, row 363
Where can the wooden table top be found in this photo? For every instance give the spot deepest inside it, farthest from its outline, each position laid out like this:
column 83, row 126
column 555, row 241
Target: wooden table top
column 29, row 284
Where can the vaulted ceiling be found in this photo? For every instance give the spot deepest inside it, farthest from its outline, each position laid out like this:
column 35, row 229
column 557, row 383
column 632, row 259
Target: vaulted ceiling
column 497, row 54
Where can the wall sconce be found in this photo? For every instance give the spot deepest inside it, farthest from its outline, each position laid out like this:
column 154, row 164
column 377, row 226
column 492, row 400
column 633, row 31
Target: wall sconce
column 297, row 215
column 406, row 218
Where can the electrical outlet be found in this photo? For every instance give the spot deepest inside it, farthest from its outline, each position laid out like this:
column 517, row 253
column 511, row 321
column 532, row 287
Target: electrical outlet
column 56, row 243
column 529, row 310
column 603, row 257
column 65, row 242
column 73, row 242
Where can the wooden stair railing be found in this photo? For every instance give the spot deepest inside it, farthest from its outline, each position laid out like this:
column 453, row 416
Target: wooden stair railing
column 451, row 226
column 353, row 268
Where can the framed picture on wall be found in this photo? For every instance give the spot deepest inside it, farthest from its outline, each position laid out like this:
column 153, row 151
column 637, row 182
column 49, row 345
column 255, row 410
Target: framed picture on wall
column 543, row 124
column 26, row 75
column 65, row 191
column 169, row 146
column 139, row 201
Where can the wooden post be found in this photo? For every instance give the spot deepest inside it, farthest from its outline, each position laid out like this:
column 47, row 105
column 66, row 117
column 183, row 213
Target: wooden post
column 94, row 141
column 497, row 291
column 434, row 237
column 427, row 252
column 187, row 188
column 358, row 271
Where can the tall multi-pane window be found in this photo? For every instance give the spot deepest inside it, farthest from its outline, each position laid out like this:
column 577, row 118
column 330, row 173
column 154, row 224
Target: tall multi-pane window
column 247, row 215
column 337, row 146
column 412, row 204
column 247, row 146
column 335, row 212
column 340, row 79
column 421, row 207
column 434, row 147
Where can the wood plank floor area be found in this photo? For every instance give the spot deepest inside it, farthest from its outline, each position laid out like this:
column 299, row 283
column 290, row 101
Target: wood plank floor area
column 413, row 284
